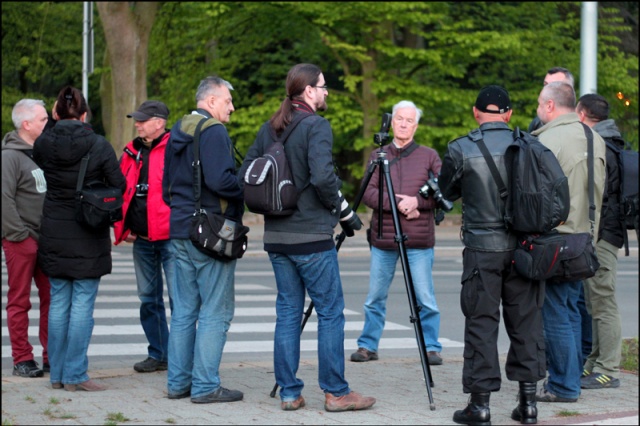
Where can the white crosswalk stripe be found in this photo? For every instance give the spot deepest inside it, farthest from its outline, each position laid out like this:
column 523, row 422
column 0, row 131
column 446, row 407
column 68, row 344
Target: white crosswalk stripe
column 117, row 330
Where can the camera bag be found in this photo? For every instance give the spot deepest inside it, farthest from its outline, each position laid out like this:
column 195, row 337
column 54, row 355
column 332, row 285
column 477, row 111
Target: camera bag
column 97, row 204
column 211, row 233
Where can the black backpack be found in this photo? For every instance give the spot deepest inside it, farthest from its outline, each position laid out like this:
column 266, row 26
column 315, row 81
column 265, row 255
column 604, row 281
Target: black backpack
column 269, row 188
column 629, row 208
column 537, row 199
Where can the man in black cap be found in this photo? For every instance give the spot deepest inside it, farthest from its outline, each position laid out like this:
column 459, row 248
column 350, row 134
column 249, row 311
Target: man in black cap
column 488, row 275
column 146, row 224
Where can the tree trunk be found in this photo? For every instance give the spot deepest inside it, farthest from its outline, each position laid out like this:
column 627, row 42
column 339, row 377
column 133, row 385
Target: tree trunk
column 127, row 29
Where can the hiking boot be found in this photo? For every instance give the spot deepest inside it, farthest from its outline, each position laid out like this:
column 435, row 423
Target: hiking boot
column 544, row 395
column 599, row 381
column 476, row 412
column 220, row 395
column 349, row 402
column 364, row 355
column 27, row 369
column 434, row 358
column 150, row 365
column 46, row 367
column 526, row 412
column 88, row 386
column 293, row 405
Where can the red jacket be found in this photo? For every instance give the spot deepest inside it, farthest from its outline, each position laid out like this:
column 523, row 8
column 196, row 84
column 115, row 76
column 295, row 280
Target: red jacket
column 407, row 175
column 158, row 212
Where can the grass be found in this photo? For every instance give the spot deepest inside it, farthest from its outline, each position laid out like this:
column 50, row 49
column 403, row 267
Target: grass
column 568, row 413
column 170, row 420
column 629, row 361
column 115, row 418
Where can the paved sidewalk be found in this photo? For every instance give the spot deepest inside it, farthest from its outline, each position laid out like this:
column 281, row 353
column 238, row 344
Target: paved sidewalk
column 397, row 383
column 396, row 380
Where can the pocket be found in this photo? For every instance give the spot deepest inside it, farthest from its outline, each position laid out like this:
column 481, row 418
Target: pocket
column 471, row 285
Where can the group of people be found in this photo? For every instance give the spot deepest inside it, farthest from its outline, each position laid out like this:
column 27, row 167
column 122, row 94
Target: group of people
column 43, row 242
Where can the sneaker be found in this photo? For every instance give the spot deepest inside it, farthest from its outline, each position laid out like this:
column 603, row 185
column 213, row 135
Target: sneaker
column 46, row 367
column 150, row 365
column 27, row 369
column 349, row 402
column 585, row 373
column 220, row 395
column 364, row 355
column 293, row 405
column 599, row 381
column 544, row 395
column 434, row 358
column 185, row 394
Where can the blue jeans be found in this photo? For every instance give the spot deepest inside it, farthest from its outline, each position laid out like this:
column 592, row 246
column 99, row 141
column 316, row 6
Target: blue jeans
column 319, row 274
column 586, row 327
column 149, row 258
column 563, row 338
column 70, row 328
column 203, row 307
column 383, row 268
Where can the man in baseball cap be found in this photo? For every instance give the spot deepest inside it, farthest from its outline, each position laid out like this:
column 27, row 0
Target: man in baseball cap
column 150, row 109
column 494, row 96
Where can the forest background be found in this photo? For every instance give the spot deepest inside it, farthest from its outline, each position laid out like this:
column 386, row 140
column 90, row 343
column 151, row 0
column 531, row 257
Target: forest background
column 436, row 54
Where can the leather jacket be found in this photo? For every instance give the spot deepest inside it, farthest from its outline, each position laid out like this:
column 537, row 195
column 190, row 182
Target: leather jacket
column 465, row 174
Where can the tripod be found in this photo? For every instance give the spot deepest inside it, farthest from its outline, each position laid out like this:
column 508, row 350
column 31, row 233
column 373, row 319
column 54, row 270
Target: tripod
column 400, row 238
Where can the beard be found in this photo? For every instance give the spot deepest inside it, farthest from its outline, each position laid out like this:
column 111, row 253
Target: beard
column 321, row 106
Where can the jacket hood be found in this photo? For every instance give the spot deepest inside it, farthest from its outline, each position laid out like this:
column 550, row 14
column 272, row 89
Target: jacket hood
column 607, row 129
column 68, row 141
column 13, row 141
column 183, row 131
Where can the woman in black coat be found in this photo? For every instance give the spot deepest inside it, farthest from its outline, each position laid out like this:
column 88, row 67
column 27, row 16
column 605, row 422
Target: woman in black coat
column 72, row 255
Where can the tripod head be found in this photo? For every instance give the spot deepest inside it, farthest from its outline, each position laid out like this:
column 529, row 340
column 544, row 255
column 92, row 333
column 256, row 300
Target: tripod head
column 382, row 137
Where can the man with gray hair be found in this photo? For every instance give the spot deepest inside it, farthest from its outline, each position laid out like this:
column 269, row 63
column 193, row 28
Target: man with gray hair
column 564, row 134
column 203, row 288
column 23, row 192
column 410, row 165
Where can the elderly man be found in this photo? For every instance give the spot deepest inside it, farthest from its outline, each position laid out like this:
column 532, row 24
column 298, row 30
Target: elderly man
column 23, row 192
column 146, row 224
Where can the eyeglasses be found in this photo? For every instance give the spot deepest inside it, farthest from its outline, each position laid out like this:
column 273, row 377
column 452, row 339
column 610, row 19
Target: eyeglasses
column 325, row 87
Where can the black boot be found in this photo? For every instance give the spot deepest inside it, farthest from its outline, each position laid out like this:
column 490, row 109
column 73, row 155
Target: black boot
column 526, row 412
column 477, row 412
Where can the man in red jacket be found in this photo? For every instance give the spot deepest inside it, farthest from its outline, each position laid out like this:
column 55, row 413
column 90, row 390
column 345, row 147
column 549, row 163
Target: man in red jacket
column 146, row 224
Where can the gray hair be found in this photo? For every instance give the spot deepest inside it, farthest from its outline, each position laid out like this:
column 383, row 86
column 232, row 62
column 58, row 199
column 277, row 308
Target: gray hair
column 210, row 84
column 24, row 111
column 407, row 104
column 561, row 93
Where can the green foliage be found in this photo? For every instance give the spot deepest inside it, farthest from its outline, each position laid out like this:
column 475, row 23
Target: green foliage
column 629, row 361
column 373, row 54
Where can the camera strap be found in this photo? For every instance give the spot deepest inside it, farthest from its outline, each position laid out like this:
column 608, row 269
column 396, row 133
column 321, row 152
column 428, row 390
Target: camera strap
column 404, row 153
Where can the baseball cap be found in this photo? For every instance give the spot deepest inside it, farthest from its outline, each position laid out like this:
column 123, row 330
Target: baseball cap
column 493, row 95
column 150, row 109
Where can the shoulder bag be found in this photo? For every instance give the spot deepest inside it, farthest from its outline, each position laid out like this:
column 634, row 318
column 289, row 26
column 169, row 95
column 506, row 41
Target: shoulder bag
column 213, row 234
column 97, row 204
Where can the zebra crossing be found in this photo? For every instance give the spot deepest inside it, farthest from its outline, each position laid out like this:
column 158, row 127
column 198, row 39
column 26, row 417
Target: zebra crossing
column 117, row 330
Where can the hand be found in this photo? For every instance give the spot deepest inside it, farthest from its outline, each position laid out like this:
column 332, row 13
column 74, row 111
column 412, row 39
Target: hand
column 414, row 214
column 407, row 204
column 131, row 238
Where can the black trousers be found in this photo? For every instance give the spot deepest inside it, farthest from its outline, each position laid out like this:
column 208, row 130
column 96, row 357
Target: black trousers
column 488, row 279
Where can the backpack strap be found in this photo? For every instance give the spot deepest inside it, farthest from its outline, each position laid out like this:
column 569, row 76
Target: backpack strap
column 287, row 130
column 590, row 179
column 197, row 170
column 476, row 136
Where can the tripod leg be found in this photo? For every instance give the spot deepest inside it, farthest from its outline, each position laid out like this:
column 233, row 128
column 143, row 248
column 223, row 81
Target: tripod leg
column 413, row 307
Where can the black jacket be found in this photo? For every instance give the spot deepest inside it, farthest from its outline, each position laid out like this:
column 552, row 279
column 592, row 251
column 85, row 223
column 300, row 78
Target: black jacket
column 611, row 228
column 465, row 174
column 67, row 249
column 309, row 153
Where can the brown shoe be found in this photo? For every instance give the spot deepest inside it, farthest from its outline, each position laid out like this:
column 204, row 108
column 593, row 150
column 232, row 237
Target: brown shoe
column 351, row 401
column 88, row 386
column 364, row 355
column 293, row 405
column 56, row 385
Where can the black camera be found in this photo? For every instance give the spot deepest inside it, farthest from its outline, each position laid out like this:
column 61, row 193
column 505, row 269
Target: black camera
column 382, row 137
column 142, row 189
column 349, row 220
column 431, row 189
